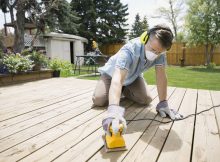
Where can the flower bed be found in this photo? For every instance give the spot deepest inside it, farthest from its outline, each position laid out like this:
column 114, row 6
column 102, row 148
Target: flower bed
column 8, row 79
column 28, row 66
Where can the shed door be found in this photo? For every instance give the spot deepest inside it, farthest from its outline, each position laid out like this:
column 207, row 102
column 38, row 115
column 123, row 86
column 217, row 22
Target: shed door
column 71, row 53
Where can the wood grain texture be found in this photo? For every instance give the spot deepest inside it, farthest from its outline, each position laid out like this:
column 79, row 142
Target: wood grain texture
column 55, row 120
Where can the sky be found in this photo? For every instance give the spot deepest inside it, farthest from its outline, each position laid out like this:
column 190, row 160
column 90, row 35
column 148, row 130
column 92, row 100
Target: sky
column 149, row 9
column 146, row 8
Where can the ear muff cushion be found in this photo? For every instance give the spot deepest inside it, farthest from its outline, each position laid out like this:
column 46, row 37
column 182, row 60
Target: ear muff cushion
column 144, row 37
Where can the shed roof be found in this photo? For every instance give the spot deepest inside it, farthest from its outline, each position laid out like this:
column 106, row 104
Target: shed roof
column 66, row 36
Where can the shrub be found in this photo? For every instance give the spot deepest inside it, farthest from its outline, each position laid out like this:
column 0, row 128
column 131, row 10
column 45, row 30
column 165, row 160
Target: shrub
column 61, row 65
column 55, row 64
column 3, row 68
column 25, row 52
column 67, row 68
column 211, row 66
column 17, row 63
column 38, row 58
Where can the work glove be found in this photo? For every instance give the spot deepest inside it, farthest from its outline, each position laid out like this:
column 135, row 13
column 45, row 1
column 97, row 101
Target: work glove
column 114, row 117
column 164, row 110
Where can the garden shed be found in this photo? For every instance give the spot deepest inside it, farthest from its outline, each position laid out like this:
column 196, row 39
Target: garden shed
column 64, row 46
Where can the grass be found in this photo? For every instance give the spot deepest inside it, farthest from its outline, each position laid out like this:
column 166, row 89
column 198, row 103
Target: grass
column 197, row 77
column 83, row 71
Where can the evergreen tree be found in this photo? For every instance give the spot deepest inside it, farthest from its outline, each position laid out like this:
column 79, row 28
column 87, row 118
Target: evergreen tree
column 145, row 25
column 59, row 17
column 102, row 21
column 137, row 27
column 111, row 21
column 85, row 9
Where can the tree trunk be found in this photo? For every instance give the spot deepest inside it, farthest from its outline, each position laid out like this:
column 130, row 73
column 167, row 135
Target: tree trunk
column 211, row 53
column 207, row 54
column 19, row 28
column 11, row 14
column 173, row 19
column 1, row 44
column 207, row 45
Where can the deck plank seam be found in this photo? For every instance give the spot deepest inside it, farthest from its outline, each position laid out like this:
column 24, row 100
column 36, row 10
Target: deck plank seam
column 218, row 126
column 44, row 106
column 146, row 129
column 49, row 129
column 55, row 138
column 194, row 127
column 127, row 124
column 103, row 145
column 85, row 138
column 48, row 119
column 67, row 133
column 39, row 114
column 170, row 128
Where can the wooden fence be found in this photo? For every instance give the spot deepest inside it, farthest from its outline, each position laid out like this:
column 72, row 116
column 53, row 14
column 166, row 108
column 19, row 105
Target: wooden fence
column 191, row 55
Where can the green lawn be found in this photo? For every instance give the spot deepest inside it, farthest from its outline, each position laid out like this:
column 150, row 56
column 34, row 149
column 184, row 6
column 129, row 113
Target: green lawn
column 197, row 77
column 83, row 71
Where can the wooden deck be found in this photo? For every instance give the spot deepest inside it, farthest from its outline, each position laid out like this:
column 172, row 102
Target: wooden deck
column 54, row 120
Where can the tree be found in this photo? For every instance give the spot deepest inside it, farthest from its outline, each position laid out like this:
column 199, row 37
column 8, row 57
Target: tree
column 59, row 16
column 52, row 13
column 111, row 21
column 172, row 14
column 145, row 25
column 102, row 21
column 203, row 25
column 1, row 43
column 86, row 10
column 138, row 27
column 181, row 37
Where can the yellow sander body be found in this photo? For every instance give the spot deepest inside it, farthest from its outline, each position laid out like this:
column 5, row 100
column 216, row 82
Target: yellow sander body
column 115, row 142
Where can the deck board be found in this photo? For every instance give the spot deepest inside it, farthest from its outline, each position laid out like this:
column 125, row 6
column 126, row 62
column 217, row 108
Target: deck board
column 206, row 145
column 55, row 120
column 63, row 143
column 180, row 137
column 147, row 146
column 134, row 132
column 216, row 101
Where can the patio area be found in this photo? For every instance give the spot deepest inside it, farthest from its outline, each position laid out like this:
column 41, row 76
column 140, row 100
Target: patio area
column 55, row 120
